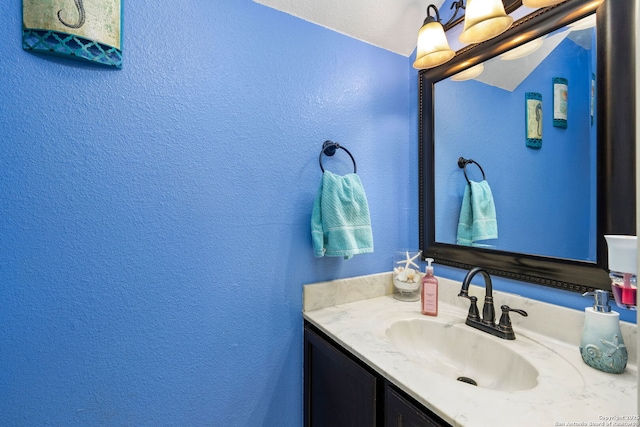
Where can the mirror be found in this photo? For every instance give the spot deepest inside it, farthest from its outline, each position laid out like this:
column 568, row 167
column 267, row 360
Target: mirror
column 575, row 164
column 566, row 149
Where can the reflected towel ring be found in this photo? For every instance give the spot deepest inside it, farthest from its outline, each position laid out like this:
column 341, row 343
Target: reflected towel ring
column 329, row 148
column 462, row 164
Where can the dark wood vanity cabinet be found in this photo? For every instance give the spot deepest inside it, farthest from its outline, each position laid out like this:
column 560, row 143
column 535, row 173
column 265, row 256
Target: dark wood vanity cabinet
column 338, row 391
column 342, row 391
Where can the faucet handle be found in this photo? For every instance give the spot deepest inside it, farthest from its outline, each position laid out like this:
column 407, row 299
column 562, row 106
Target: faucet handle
column 506, row 309
column 473, row 308
column 505, row 320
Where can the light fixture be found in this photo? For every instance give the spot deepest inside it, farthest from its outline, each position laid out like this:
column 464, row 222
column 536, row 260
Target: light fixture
column 469, row 73
column 523, row 50
column 433, row 48
column 540, row 3
column 484, row 19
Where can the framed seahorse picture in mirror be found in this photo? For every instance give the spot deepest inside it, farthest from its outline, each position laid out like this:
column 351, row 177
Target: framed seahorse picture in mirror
column 84, row 30
column 533, row 111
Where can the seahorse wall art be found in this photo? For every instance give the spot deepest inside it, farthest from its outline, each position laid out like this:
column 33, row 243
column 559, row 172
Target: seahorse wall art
column 533, row 119
column 81, row 16
column 85, row 30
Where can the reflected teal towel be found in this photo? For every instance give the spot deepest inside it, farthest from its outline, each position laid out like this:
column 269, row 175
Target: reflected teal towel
column 340, row 223
column 477, row 215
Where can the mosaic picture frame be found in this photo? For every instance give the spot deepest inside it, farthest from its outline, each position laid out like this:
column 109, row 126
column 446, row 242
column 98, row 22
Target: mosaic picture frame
column 533, row 119
column 560, row 102
column 84, row 30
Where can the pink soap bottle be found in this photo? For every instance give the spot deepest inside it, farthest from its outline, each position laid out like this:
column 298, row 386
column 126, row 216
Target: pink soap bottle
column 429, row 294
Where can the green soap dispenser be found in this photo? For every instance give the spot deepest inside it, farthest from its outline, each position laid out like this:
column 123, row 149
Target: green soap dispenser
column 602, row 346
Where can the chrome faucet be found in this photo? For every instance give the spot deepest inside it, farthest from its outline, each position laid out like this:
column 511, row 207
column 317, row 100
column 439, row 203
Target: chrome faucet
column 487, row 323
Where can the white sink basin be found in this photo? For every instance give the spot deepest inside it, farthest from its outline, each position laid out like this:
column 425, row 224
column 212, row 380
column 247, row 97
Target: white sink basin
column 457, row 351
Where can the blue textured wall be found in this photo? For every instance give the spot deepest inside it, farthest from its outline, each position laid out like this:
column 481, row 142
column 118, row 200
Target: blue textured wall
column 154, row 220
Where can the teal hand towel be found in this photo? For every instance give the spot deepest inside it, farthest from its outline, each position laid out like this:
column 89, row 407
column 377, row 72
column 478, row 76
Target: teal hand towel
column 340, row 222
column 477, row 215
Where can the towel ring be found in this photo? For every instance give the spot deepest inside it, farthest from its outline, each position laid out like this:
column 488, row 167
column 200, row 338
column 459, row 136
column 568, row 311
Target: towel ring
column 329, row 148
column 462, row 164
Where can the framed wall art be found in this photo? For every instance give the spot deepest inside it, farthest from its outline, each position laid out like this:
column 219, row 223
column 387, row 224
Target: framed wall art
column 533, row 119
column 560, row 102
column 85, row 30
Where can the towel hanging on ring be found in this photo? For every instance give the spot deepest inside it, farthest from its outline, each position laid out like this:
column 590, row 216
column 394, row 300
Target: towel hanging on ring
column 340, row 221
column 478, row 212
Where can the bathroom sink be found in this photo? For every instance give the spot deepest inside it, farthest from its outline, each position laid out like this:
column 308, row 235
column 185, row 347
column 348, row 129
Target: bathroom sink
column 459, row 352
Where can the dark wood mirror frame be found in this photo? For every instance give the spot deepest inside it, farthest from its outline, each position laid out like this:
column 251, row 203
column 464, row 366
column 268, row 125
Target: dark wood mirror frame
column 615, row 97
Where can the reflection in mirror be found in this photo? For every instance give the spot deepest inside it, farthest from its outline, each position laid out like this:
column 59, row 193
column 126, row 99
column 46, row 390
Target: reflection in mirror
column 532, row 171
column 544, row 197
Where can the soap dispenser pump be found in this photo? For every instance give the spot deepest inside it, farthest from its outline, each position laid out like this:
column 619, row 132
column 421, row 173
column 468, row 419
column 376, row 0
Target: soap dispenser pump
column 602, row 346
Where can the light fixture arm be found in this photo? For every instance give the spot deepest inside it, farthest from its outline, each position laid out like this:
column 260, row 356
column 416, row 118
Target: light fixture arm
column 457, row 5
column 429, row 17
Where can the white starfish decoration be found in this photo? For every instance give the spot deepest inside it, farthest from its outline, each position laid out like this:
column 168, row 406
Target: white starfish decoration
column 409, row 261
column 614, row 346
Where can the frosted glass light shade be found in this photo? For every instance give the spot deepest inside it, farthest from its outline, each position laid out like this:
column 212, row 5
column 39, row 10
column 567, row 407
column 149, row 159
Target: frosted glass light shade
column 433, row 48
column 523, row 50
column 483, row 20
column 469, row 73
column 540, row 3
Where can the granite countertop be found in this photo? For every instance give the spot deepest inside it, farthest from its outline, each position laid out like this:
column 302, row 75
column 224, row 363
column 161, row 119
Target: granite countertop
column 357, row 312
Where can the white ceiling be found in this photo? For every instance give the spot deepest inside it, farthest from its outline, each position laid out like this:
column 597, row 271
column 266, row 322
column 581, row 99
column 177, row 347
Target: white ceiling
column 390, row 24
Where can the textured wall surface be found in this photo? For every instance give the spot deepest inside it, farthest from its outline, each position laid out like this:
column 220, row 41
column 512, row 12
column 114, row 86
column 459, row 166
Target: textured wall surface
column 154, row 220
